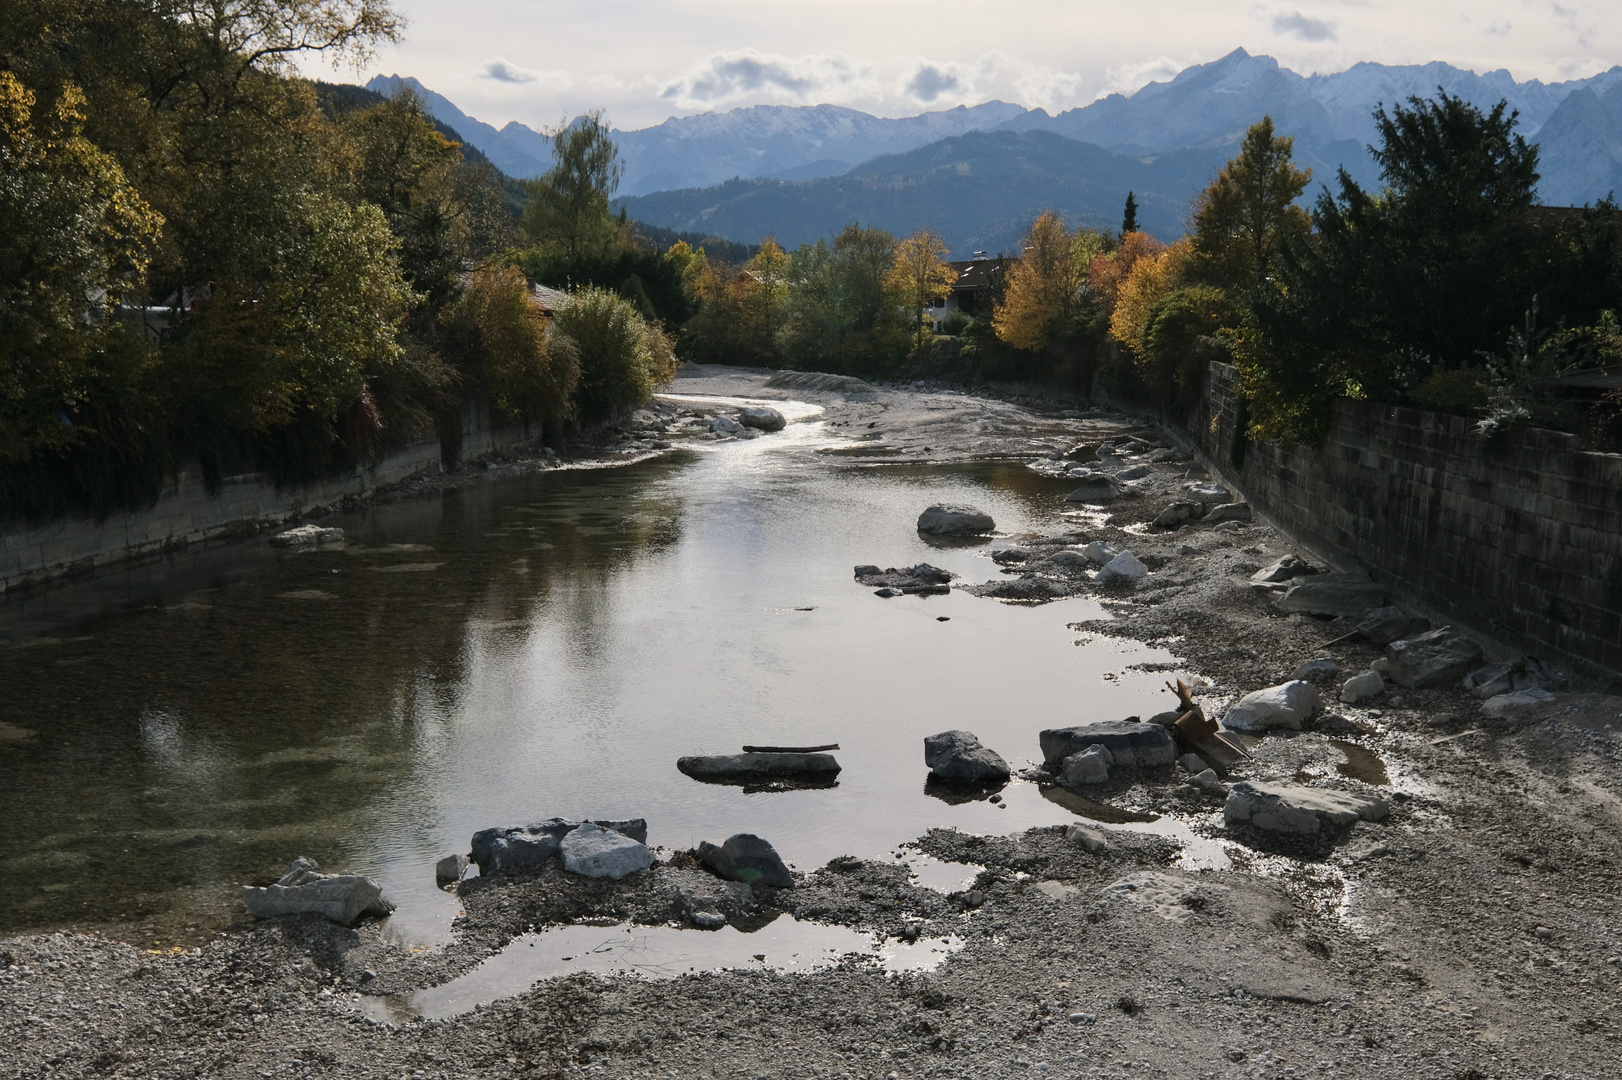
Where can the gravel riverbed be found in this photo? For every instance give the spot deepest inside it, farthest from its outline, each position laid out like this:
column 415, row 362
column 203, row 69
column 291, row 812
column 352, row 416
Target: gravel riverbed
column 1473, row 934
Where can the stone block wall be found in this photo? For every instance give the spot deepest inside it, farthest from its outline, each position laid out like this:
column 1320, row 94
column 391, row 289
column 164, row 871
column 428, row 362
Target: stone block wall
column 1520, row 541
column 186, row 514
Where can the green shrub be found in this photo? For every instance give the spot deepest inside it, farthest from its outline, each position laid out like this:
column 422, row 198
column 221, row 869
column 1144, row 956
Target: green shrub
column 623, row 359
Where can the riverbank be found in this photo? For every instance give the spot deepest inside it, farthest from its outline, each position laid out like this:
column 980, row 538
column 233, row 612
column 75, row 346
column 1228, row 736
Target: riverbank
column 1472, row 934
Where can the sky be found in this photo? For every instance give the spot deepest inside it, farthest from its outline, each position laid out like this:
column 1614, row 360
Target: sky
column 643, row 61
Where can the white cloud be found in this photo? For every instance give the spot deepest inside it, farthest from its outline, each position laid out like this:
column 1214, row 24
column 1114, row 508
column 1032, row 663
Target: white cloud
column 1134, row 76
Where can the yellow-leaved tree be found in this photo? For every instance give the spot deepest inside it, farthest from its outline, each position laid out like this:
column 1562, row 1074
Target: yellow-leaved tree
column 1151, row 279
column 920, row 276
column 1044, row 286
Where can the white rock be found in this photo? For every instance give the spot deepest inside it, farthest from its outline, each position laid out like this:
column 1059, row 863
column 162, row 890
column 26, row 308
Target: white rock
column 1166, row 895
column 1364, row 687
column 1516, row 702
column 1091, row 766
column 1208, row 491
column 307, row 536
column 1099, row 552
column 593, row 851
column 1285, row 706
column 342, row 898
column 1124, row 567
column 1301, row 811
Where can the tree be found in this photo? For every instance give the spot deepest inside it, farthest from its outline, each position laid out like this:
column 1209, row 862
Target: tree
column 622, row 358
column 1396, row 289
column 1151, row 279
column 497, row 332
column 569, row 206
column 1248, row 214
column 1107, row 271
column 920, row 275
column 1129, row 221
column 842, row 314
column 1044, row 287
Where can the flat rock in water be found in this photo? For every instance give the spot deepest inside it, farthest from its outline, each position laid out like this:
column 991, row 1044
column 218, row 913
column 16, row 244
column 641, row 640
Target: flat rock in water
column 1010, row 555
column 592, row 851
column 1028, row 587
column 953, row 519
column 516, row 847
column 907, row 577
column 1131, row 745
column 340, row 898
column 1282, row 706
column 1433, row 659
column 958, row 755
column 747, row 858
column 307, row 536
column 759, row 766
column 1350, row 593
column 1300, row 811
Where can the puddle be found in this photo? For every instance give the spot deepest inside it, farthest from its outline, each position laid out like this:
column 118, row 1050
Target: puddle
column 1361, row 764
column 944, row 877
column 654, row 952
column 1199, row 852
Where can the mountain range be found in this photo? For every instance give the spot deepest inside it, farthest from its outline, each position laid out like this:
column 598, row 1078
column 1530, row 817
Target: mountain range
column 973, row 173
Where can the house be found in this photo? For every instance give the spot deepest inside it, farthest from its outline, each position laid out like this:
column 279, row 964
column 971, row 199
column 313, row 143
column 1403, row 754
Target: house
column 974, row 290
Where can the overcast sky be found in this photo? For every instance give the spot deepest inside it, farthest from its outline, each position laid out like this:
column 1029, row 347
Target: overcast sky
column 538, row 61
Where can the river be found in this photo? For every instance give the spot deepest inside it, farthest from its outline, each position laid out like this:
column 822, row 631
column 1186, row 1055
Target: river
column 516, row 649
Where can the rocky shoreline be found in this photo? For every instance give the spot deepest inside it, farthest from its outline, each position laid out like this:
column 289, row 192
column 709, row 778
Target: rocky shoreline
column 1467, row 932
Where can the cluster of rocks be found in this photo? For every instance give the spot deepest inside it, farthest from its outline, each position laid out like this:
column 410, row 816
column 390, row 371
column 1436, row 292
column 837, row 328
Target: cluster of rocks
column 923, row 579
column 610, row 849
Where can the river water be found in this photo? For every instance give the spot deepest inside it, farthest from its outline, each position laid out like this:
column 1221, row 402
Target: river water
column 518, row 649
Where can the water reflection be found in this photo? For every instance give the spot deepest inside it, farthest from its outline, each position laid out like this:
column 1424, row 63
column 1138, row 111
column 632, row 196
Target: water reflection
column 513, row 650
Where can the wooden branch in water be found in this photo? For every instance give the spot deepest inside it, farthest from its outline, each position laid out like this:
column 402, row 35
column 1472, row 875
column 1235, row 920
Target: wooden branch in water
column 790, row 749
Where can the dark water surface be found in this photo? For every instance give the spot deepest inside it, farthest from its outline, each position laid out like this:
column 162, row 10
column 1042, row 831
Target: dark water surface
column 518, row 649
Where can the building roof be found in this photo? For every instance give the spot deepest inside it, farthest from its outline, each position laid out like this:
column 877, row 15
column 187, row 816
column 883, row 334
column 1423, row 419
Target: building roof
column 976, row 273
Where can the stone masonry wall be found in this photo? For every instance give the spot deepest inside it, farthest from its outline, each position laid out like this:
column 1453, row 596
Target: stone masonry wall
column 1520, row 541
column 186, row 514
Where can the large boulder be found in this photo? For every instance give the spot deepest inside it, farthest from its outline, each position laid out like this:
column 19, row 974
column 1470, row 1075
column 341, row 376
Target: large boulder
column 747, row 858
column 958, row 755
column 1434, row 659
column 593, row 851
column 1300, row 811
column 951, row 519
column 762, row 418
column 759, row 766
column 1130, row 744
column 514, row 848
column 1349, row 593
column 1282, row 706
column 340, row 898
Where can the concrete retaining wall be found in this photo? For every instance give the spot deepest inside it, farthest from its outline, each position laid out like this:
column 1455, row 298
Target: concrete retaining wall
column 1520, row 541
column 186, row 514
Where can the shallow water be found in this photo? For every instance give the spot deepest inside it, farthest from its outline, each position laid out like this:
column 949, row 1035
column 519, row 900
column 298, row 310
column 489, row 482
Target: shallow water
column 517, row 649
column 656, row 952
